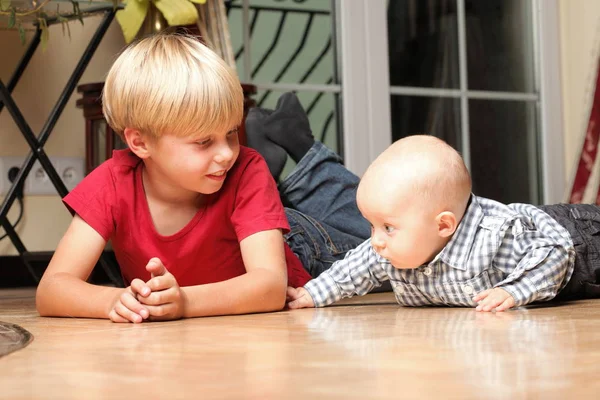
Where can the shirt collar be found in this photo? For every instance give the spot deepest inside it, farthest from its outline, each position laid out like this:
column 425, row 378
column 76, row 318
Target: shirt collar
column 456, row 252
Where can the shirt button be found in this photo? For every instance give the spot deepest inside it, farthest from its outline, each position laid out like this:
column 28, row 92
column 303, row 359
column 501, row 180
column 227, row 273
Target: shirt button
column 468, row 289
column 427, row 271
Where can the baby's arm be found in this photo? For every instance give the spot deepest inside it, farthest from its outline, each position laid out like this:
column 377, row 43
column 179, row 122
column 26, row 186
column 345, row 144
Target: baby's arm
column 357, row 274
column 64, row 292
column 261, row 289
column 538, row 276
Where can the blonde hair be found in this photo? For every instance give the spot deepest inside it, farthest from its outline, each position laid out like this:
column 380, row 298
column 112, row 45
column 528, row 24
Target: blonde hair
column 171, row 83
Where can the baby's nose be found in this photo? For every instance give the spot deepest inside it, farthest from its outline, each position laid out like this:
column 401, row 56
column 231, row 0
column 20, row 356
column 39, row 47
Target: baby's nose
column 377, row 244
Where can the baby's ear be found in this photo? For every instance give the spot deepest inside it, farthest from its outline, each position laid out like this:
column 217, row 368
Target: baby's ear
column 447, row 223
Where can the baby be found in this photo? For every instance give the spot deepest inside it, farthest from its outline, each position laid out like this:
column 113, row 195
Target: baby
column 439, row 244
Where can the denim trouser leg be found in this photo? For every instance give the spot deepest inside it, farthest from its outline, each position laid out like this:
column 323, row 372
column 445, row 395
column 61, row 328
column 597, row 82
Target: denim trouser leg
column 582, row 221
column 324, row 219
column 321, row 187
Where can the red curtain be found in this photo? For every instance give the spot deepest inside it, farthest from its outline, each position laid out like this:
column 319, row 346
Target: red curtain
column 589, row 151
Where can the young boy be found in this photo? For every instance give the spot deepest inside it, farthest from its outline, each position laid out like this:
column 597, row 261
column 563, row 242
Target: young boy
column 195, row 219
column 439, row 244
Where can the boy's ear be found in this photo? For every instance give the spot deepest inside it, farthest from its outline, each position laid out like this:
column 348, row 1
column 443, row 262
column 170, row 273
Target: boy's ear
column 447, row 224
column 137, row 142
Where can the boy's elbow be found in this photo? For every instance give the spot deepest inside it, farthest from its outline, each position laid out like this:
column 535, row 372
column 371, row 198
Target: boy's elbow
column 41, row 304
column 274, row 296
column 43, row 298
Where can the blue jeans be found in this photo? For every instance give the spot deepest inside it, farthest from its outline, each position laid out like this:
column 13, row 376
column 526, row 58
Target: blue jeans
column 320, row 199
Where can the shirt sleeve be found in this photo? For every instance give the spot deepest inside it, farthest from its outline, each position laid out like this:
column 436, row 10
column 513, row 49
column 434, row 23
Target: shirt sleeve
column 93, row 199
column 257, row 203
column 357, row 274
column 541, row 266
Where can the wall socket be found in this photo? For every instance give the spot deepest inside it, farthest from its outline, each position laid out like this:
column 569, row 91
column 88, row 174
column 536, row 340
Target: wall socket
column 70, row 169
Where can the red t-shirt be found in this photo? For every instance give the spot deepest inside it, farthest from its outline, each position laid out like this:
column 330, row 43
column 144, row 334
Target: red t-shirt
column 112, row 201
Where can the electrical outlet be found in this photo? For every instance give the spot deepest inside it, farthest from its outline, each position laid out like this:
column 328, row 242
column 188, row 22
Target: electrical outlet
column 6, row 163
column 70, row 170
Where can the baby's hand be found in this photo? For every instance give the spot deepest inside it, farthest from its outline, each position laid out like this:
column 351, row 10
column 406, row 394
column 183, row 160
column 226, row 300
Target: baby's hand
column 298, row 298
column 127, row 307
column 167, row 300
column 494, row 299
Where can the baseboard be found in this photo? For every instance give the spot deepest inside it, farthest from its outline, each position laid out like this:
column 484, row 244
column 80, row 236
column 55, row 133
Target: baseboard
column 17, row 271
column 14, row 273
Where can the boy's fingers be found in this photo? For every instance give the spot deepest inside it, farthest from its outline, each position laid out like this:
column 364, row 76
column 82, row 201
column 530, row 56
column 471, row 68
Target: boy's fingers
column 114, row 317
column 131, row 303
column 138, row 286
column 156, row 267
column 170, row 295
column 157, row 312
column 126, row 313
column 163, row 282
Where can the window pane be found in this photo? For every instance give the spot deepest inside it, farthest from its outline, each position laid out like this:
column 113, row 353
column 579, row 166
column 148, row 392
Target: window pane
column 500, row 45
column 504, row 156
column 291, row 42
column 430, row 115
column 423, row 43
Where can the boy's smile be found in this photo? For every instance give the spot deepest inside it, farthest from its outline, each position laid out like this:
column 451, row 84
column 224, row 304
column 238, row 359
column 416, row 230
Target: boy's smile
column 218, row 176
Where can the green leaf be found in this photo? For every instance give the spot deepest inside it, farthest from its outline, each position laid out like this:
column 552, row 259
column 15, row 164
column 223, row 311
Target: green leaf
column 45, row 33
column 77, row 11
column 22, row 34
column 177, row 12
column 132, row 18
column 4, row 5
column 11, row 18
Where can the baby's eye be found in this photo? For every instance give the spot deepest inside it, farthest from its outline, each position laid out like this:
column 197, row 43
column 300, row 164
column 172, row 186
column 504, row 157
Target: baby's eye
column 204, row 142
column 389, row 228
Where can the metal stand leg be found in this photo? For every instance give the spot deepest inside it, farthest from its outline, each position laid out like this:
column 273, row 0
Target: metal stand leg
column 37, row 144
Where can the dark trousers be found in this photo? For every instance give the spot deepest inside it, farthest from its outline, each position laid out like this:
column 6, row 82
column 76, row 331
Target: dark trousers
column 582, row 221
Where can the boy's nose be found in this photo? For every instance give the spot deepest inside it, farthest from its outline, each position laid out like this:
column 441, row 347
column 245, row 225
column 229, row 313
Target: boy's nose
column 224, row 154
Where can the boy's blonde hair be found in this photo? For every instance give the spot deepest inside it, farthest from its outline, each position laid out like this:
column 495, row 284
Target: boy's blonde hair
column 172, row 84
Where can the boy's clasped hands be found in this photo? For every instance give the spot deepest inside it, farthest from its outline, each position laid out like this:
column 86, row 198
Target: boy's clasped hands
column 159, row 299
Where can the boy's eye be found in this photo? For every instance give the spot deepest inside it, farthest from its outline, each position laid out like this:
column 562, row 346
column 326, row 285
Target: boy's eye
column 233, row 132
column 389, row 228
column 203, row 142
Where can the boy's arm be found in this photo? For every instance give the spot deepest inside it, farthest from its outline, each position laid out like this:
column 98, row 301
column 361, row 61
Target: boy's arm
column 261, row 289
column 357, row 274
column 63, row 290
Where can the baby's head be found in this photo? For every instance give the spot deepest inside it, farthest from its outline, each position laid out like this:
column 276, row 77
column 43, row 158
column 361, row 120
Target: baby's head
column 414, row 195
column 177, row 104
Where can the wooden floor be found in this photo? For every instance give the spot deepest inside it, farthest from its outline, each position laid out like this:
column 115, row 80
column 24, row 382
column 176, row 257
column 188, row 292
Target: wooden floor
column 368, row 348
